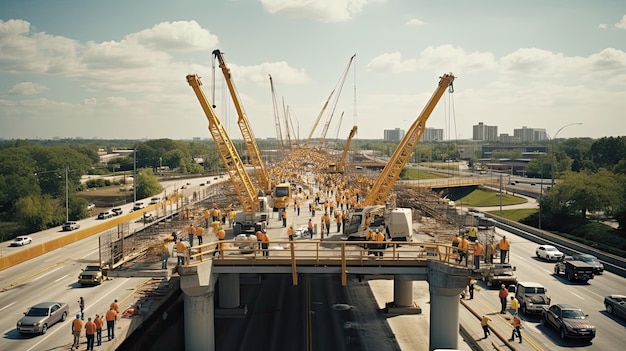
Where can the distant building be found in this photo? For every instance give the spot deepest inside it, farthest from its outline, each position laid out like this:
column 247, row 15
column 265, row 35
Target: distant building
column 526, row 151
column 393, row 134
column 530, row 134
column 432, row 134
column 509, row 139
column 484, row 132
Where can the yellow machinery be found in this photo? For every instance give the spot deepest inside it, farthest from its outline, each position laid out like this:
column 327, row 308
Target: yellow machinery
column 388, row 177
column 340, row 167
column 281, row 196
column 375, row 206
column 254, row 154
column 254, row 206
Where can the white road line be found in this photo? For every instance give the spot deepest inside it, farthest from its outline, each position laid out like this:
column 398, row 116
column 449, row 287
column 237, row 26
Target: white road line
column 578, row 296
column 9, row 305
column 43, row 275
column 61, row 278
column 588, row 290
column 89, row 254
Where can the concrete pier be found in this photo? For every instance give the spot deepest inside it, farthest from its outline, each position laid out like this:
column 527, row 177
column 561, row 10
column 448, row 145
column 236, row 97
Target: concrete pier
column 198, row 285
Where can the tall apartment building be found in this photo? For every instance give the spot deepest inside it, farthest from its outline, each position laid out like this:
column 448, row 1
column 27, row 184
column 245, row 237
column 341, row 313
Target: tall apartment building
column 432, row 134
column 393, row 134
column 530, row 134
column 484, row 132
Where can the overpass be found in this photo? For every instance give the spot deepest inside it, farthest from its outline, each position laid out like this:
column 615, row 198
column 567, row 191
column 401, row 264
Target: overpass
column 403, row 262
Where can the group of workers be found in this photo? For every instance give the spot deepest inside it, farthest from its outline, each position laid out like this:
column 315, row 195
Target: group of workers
column 478, row 250
column 93, row 328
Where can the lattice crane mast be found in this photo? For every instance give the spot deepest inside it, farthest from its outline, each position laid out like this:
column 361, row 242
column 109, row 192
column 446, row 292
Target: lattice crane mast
column 279, row 133
column 234, row 166
column 254, row 154
column 382, row 187
column 341, row 166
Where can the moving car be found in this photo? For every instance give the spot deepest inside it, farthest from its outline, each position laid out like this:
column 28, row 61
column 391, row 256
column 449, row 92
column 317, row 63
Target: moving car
column 106, row 215
column 598, row 267
column 569, row 321
column 155, row 200
column 616, row 304
column 549, row 253
column 70, row 225
column 117, row 211
column 91, row 275
column 21, row 241
column 138, row 206
column 41, row 316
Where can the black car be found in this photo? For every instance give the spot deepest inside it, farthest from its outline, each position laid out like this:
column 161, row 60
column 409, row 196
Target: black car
column 615, row 304
column 598, row 267
column 117, row 211
column 569, row 321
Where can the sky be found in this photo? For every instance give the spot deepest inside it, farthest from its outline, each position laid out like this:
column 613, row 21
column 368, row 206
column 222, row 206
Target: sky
column 117, row 69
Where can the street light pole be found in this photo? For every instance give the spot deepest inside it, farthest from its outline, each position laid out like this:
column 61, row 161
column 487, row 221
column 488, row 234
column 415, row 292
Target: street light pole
column 552, row 141
column 67, row 207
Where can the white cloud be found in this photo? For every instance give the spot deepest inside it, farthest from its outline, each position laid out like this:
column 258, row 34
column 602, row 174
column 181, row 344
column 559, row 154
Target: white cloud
column 175, row 36
column 391, row 63
column 27, row 88
column 415, row 22
column 621, row 24
column 602, row 26
column 319, row 10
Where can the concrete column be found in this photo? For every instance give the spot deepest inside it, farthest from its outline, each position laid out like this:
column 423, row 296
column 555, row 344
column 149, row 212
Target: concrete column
column 445, row 285
column 229, row 290
column 197, row 283
column 402, row 292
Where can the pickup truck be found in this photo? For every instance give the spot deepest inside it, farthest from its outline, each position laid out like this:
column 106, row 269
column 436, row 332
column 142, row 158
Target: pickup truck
column 532, row 297
column 574, row 269
column 499, row 273
column 91, row 275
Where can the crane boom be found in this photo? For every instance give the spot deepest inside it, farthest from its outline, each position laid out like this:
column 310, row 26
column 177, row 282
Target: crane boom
column 279, row 133
column 254, row 154
column 382, row 187
column 341, row 166
column 234, row 166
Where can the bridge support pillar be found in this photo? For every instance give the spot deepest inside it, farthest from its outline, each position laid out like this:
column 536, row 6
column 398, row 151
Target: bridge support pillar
column 445, row 285
column 402, row 292
column 197, row 284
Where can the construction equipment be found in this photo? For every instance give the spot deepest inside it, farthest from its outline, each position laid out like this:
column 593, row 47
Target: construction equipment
column 339, row 87
column 377, row 210
column 279, row 134
column 255, row 206
column 254, row 154
column 340, row 167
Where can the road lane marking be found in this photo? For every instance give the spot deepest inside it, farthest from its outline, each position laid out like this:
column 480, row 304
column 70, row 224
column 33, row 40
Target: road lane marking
column 45, row 274
column 7, row 306
column 61, row 278
column 90, row 253
column 578, row 296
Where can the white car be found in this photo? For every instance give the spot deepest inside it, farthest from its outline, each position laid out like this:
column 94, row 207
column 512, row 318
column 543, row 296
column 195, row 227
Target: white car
column 21, row 241
column 549, row 253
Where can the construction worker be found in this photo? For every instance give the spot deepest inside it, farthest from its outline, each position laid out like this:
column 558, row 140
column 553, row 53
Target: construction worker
column 331, row 207
column 517, row 326
column 503, row 294
column 290, row 233
column 478, row 250
column 77, row 326
column 221, row 235
column 215, row 213
column 90, row 333
column 484, row 323
column 380, row 243
column 114, row 305
column 111, row 317
column 180, row 251
column 310, row 227
column 165, row 255
column 191, row 232
column 265, row 244
column 199, row 231
column 338, row 220
column 370, row 236
column 284, row 218
column 464, row 246
column 99, row 324
column 491, row 249
column 326, row 219
column 514, row 305
column 259, row 238
column 207, row 216
column 473, row 234
column 504, row 246
column 231, row 218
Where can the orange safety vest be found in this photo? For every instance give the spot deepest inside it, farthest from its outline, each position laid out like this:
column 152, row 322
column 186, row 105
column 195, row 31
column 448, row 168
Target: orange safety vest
column 110, row 315
column 221, row 234
column 478, row 249
column 199, row 231
column 77, row 325
column 99, row 323
column 90, row 328
column 180, row 247
column 115, row 306
column 504, row 244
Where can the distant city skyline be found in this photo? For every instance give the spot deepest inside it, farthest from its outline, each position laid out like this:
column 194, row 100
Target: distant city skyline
column 89, row 72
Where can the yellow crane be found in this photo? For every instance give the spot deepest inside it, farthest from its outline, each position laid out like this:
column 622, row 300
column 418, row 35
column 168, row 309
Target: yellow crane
column 340, row 167
column 253, row 205
column 397, row 221
column 382, row 187
column 279, row 133
column 254, row 154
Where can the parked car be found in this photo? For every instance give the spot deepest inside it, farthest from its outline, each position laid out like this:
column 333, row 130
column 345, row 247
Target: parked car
column 155, row 200
column 41, row 316
column 70, row 225
column 91, row 207
column 106, row 215
column 91, row 275
column 549, row 253
column 138, row 206
column 21, row 241
column 598, row 267
column 117, row 211
column 569, row 321
column 615, row 304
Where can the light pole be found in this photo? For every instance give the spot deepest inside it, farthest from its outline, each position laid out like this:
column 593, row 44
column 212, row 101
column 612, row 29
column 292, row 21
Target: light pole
column 552, row 141
column 67, row 207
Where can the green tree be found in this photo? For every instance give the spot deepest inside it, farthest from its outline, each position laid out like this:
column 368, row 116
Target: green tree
column 37, row 213
column 147, row 183
column 607, row 152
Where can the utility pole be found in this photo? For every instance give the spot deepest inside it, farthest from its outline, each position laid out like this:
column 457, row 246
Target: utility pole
column 67, row 202
column 134, row 175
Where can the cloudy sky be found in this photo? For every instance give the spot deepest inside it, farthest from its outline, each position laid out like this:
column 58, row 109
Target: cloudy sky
column 117, row 68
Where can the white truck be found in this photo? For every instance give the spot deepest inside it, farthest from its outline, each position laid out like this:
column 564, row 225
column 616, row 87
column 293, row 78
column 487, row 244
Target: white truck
column 397, row 223
column 251, row 222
